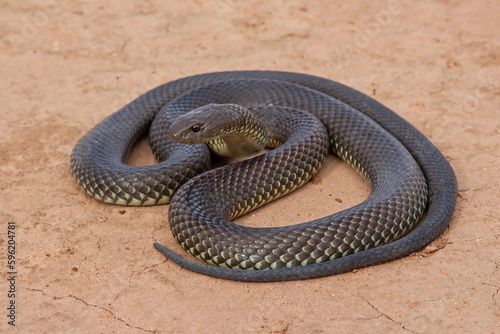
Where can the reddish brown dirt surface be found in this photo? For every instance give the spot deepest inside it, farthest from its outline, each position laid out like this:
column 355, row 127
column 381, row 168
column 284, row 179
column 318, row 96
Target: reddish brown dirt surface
column 84, row 266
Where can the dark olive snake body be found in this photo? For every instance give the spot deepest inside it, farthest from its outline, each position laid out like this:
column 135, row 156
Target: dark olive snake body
column 405, row 171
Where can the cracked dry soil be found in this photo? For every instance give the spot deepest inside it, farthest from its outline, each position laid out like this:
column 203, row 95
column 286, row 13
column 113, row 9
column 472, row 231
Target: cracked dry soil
column 88, row 267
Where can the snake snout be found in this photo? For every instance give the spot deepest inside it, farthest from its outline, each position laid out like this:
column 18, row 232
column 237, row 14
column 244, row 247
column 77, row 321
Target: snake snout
column 181, row 132
column 190, row 128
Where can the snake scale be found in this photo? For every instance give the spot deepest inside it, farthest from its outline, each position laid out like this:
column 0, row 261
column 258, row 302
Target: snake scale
column 406, row 172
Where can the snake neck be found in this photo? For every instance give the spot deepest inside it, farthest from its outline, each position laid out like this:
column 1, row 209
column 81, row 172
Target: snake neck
column 245, row 135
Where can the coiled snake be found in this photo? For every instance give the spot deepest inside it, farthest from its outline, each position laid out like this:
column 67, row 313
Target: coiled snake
column 406, row 172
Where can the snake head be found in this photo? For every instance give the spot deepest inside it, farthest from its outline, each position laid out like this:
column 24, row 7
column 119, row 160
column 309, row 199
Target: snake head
column 204, row 124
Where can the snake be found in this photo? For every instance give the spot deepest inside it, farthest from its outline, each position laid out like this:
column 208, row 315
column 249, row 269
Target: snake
column 413, row 187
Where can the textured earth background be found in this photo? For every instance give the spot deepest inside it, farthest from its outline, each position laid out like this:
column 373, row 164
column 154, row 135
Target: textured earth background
column 84, row 266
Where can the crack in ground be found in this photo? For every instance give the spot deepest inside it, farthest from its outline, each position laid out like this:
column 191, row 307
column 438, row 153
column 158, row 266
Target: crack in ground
column 386, row 316
column 494, row 293
column 380, row 315
column 459, row 195
column 111, row 313
column 91, row 305
column 497, row 264
column 98, row 240
column 133, row 272
column 466, row 190
column 433, row 247
column 284, row 330
column 428, row 300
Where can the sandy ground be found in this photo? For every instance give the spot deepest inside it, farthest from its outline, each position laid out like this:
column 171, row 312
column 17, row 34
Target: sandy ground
column 84, row 266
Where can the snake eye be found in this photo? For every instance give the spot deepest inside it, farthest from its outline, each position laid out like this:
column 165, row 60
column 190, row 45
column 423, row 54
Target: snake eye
column 196, row 128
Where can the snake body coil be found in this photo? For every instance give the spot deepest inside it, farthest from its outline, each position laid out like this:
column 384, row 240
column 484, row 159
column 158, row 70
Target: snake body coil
column 400, row 164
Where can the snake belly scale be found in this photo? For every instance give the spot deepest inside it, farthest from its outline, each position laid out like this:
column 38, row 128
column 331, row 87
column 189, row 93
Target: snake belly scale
column 405, row 171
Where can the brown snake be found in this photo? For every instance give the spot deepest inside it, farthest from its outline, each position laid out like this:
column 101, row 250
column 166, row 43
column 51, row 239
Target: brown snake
column 399, row 163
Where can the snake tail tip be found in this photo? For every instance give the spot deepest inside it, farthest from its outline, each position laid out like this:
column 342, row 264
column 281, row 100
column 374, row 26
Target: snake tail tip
column 158, row 246
column 169, row 254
